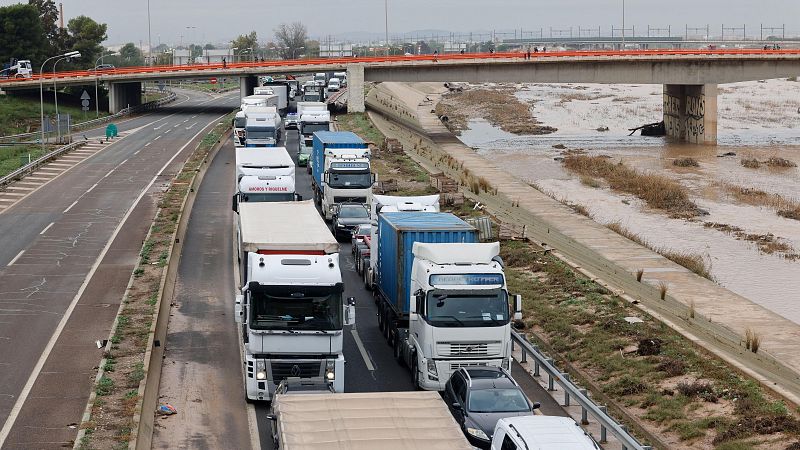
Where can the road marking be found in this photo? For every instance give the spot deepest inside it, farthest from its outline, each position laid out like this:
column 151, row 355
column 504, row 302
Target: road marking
column 110, row 172
column 148, row 144
column 195, row 114
column 176, row 125
column 159, row 127
column 91, row 188
column 136, row 152
column 157, row 137
column 185, row 120
column 167, row 131
column 123, row 162
column 362, row 350
column 191, row 126
column 47, row 228
column 70, row 206
column 16, row 257
column 26, row 390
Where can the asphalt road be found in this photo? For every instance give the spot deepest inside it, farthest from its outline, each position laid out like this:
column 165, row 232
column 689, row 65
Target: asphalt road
column 66, row 253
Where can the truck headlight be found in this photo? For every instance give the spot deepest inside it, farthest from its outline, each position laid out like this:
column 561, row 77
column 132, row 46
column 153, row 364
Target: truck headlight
column 332, row 209
column 506, row 363
column 330, row 371
column 261, row 375
column 478, row 433
column 432, row 373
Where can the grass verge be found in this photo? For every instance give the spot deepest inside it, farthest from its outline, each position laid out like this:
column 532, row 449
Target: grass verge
column 23, row 114
column 111, row 423
column 657, row 191
column 14, row 157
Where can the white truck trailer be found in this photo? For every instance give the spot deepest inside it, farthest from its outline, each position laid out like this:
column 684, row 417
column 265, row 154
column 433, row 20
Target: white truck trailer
column 290, row 308
column 263, row 162
column 373, row 420
column 262, row 126
column 260, row 100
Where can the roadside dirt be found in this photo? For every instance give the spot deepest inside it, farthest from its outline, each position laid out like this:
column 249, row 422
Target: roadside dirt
column 499, row 106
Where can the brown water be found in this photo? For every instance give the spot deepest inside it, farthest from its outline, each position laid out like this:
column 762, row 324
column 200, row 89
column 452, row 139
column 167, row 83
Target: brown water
column 749, row 126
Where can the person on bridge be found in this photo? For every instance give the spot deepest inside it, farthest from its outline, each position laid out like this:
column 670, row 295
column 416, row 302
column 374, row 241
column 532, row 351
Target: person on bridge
column 435, row 55
column 224, row 63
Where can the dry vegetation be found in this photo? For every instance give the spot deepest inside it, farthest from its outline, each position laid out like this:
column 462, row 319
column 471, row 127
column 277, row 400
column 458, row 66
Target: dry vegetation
column 680, row 393
column 767, row 243
column 774, row 161
column 117, row 392
column 499, row 106
column 784, row 207
column 657, row 191
column 685, row 162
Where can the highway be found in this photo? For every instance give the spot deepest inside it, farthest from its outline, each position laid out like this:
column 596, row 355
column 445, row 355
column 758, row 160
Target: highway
column 67, row 251
column 202, row 370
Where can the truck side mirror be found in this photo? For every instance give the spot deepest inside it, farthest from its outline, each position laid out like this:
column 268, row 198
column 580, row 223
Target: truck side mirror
column 238, row 310
column 235, row 203
column 350, row 312
column 517, row 307
column 298, row 198
column 374, row 178
column 536, row 405
column 272, row 417
column 419, row 298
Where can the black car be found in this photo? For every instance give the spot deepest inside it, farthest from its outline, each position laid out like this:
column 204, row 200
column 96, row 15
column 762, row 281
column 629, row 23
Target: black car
column 346, row 217
column 479, row 396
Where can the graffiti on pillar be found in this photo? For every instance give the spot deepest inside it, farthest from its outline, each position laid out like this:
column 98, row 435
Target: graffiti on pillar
column 695, row 118
column 672, row 116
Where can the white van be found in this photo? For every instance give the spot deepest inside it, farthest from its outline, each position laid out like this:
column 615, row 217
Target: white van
column 542, row 433
column 334, row 85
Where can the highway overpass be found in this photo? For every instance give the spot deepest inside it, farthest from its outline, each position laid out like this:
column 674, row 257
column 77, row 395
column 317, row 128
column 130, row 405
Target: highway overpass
column 690, row 77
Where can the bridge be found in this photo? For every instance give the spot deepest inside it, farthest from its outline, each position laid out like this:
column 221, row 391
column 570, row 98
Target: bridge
column 689, row 77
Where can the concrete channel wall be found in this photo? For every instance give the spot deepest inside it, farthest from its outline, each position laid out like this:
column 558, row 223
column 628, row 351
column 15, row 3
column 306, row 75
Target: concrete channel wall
column 706, row 313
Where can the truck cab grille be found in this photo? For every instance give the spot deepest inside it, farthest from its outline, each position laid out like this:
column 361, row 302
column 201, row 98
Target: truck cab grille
column 468, row 349
column 286, row 369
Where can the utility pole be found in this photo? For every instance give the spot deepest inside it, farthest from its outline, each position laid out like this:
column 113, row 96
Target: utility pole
column 386, row 13
column 149, row 38
column 623, row 24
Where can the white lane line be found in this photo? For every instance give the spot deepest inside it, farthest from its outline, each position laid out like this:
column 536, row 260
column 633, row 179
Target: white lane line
column 157, row 137
column 136, row 152
column 195, row 114
column 362, row 350
column 191, row 126
column 71, row 206
column 91, row 188
column 176, row 125
column 185, row 120
column 16, row 257
column 167, row 131
column 46, row 228
column 159, row 127
column 123, row 162
column 26, row 390
column 148, row 144
column 109, row 172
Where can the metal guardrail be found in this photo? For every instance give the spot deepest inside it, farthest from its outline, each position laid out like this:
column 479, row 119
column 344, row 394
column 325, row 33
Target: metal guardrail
column 33, row 165
column 90, row 123
column 573, row 392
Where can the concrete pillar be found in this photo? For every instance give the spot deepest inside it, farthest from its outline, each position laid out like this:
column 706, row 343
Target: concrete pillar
column 355, row 88
column 246, row 86
column 122, row 95
column 690, row 112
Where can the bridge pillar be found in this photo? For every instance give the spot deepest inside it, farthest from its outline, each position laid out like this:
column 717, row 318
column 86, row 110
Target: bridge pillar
column 690, row 112
column 122, row 95
column 355, row 88
column 246, row 86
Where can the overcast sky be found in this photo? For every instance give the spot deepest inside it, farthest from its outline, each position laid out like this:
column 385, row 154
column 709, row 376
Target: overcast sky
column 222, row 20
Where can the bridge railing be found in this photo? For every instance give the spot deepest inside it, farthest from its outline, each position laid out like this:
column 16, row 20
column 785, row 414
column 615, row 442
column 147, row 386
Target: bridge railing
column 572, row 393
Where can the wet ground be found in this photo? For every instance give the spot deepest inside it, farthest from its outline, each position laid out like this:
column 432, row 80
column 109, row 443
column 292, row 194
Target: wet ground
column 756, row 120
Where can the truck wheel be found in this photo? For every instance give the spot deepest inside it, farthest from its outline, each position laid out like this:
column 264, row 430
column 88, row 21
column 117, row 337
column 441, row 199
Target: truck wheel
column 387, row 328
column 398, row 351
column 381, row 324
column 414, row 374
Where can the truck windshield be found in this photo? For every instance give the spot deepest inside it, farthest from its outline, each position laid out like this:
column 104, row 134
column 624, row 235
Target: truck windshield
column 276, row 197
column 296, row 308
column 240, row 122
column 311, row 128
column 352, row 180
column 477, row 308
column 260, row 132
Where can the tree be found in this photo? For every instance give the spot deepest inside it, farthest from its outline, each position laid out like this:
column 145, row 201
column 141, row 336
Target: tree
column 129, row 55
column 245, row 41
column 291, row 39
column 22, row 36
column 48, row 14
column 209, row 46
column 85, row 36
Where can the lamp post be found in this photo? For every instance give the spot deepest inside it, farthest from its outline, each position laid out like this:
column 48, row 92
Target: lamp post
column 41, row 86
column 149, row 37
column 386, row 12
column 96, row 78
column 623, row 25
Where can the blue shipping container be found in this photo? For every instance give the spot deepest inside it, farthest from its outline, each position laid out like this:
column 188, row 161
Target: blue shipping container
column 397, row 233
column 330, row 139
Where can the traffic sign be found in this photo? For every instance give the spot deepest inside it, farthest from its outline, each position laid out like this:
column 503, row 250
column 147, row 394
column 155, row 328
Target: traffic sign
column 161, row 86
column 85, row 97
column 213, row 80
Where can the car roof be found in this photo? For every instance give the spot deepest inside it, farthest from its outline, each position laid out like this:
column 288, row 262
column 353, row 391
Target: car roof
column 549, row 432
column 488, row 378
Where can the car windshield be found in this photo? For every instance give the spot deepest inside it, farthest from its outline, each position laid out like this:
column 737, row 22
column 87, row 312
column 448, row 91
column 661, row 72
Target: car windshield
column 363, row 230
column 497, row 401
column 296, row 308
column 353, row 212
column 260, row 132
column 477, row 308
column 355, row 180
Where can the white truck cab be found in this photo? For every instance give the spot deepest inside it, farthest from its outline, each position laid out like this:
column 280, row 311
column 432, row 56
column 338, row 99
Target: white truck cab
column 541, row 433
column 262, row 126
column 348, row 177
column 265, row 188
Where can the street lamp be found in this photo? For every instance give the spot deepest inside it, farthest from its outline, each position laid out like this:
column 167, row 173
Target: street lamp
column 149, row 37
column 386, row 11
column 623, row 25
column 96, row 77
column 72, row 54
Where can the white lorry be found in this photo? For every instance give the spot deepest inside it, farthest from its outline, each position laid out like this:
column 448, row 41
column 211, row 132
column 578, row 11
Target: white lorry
column 17, row 69
column 281, row 89
column 540, row 432
column 259, row 100
column 370, row 420
column 313, row 92
column 312, row 117
column 340, row 169
column 265, row 188
column 262, row 126
column 290, row 308
column 259, row 162
column 239, row 123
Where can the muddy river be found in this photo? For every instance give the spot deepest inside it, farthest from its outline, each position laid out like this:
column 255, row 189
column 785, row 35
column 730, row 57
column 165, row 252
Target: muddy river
column 756, row 120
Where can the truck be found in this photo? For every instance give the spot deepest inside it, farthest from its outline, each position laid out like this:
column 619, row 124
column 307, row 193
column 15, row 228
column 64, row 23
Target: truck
column 369, row 420
column 290, row 307
column 262, row 126
column 17, row 69
column 541, row 432
column 442, row 297
column 259, row 100
column 313, row 92
column 312, row 117
column 239, row 123
column 390, row 203
column 281, row 89
column 274, row 162
column 265, row 188
column 340, row 169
